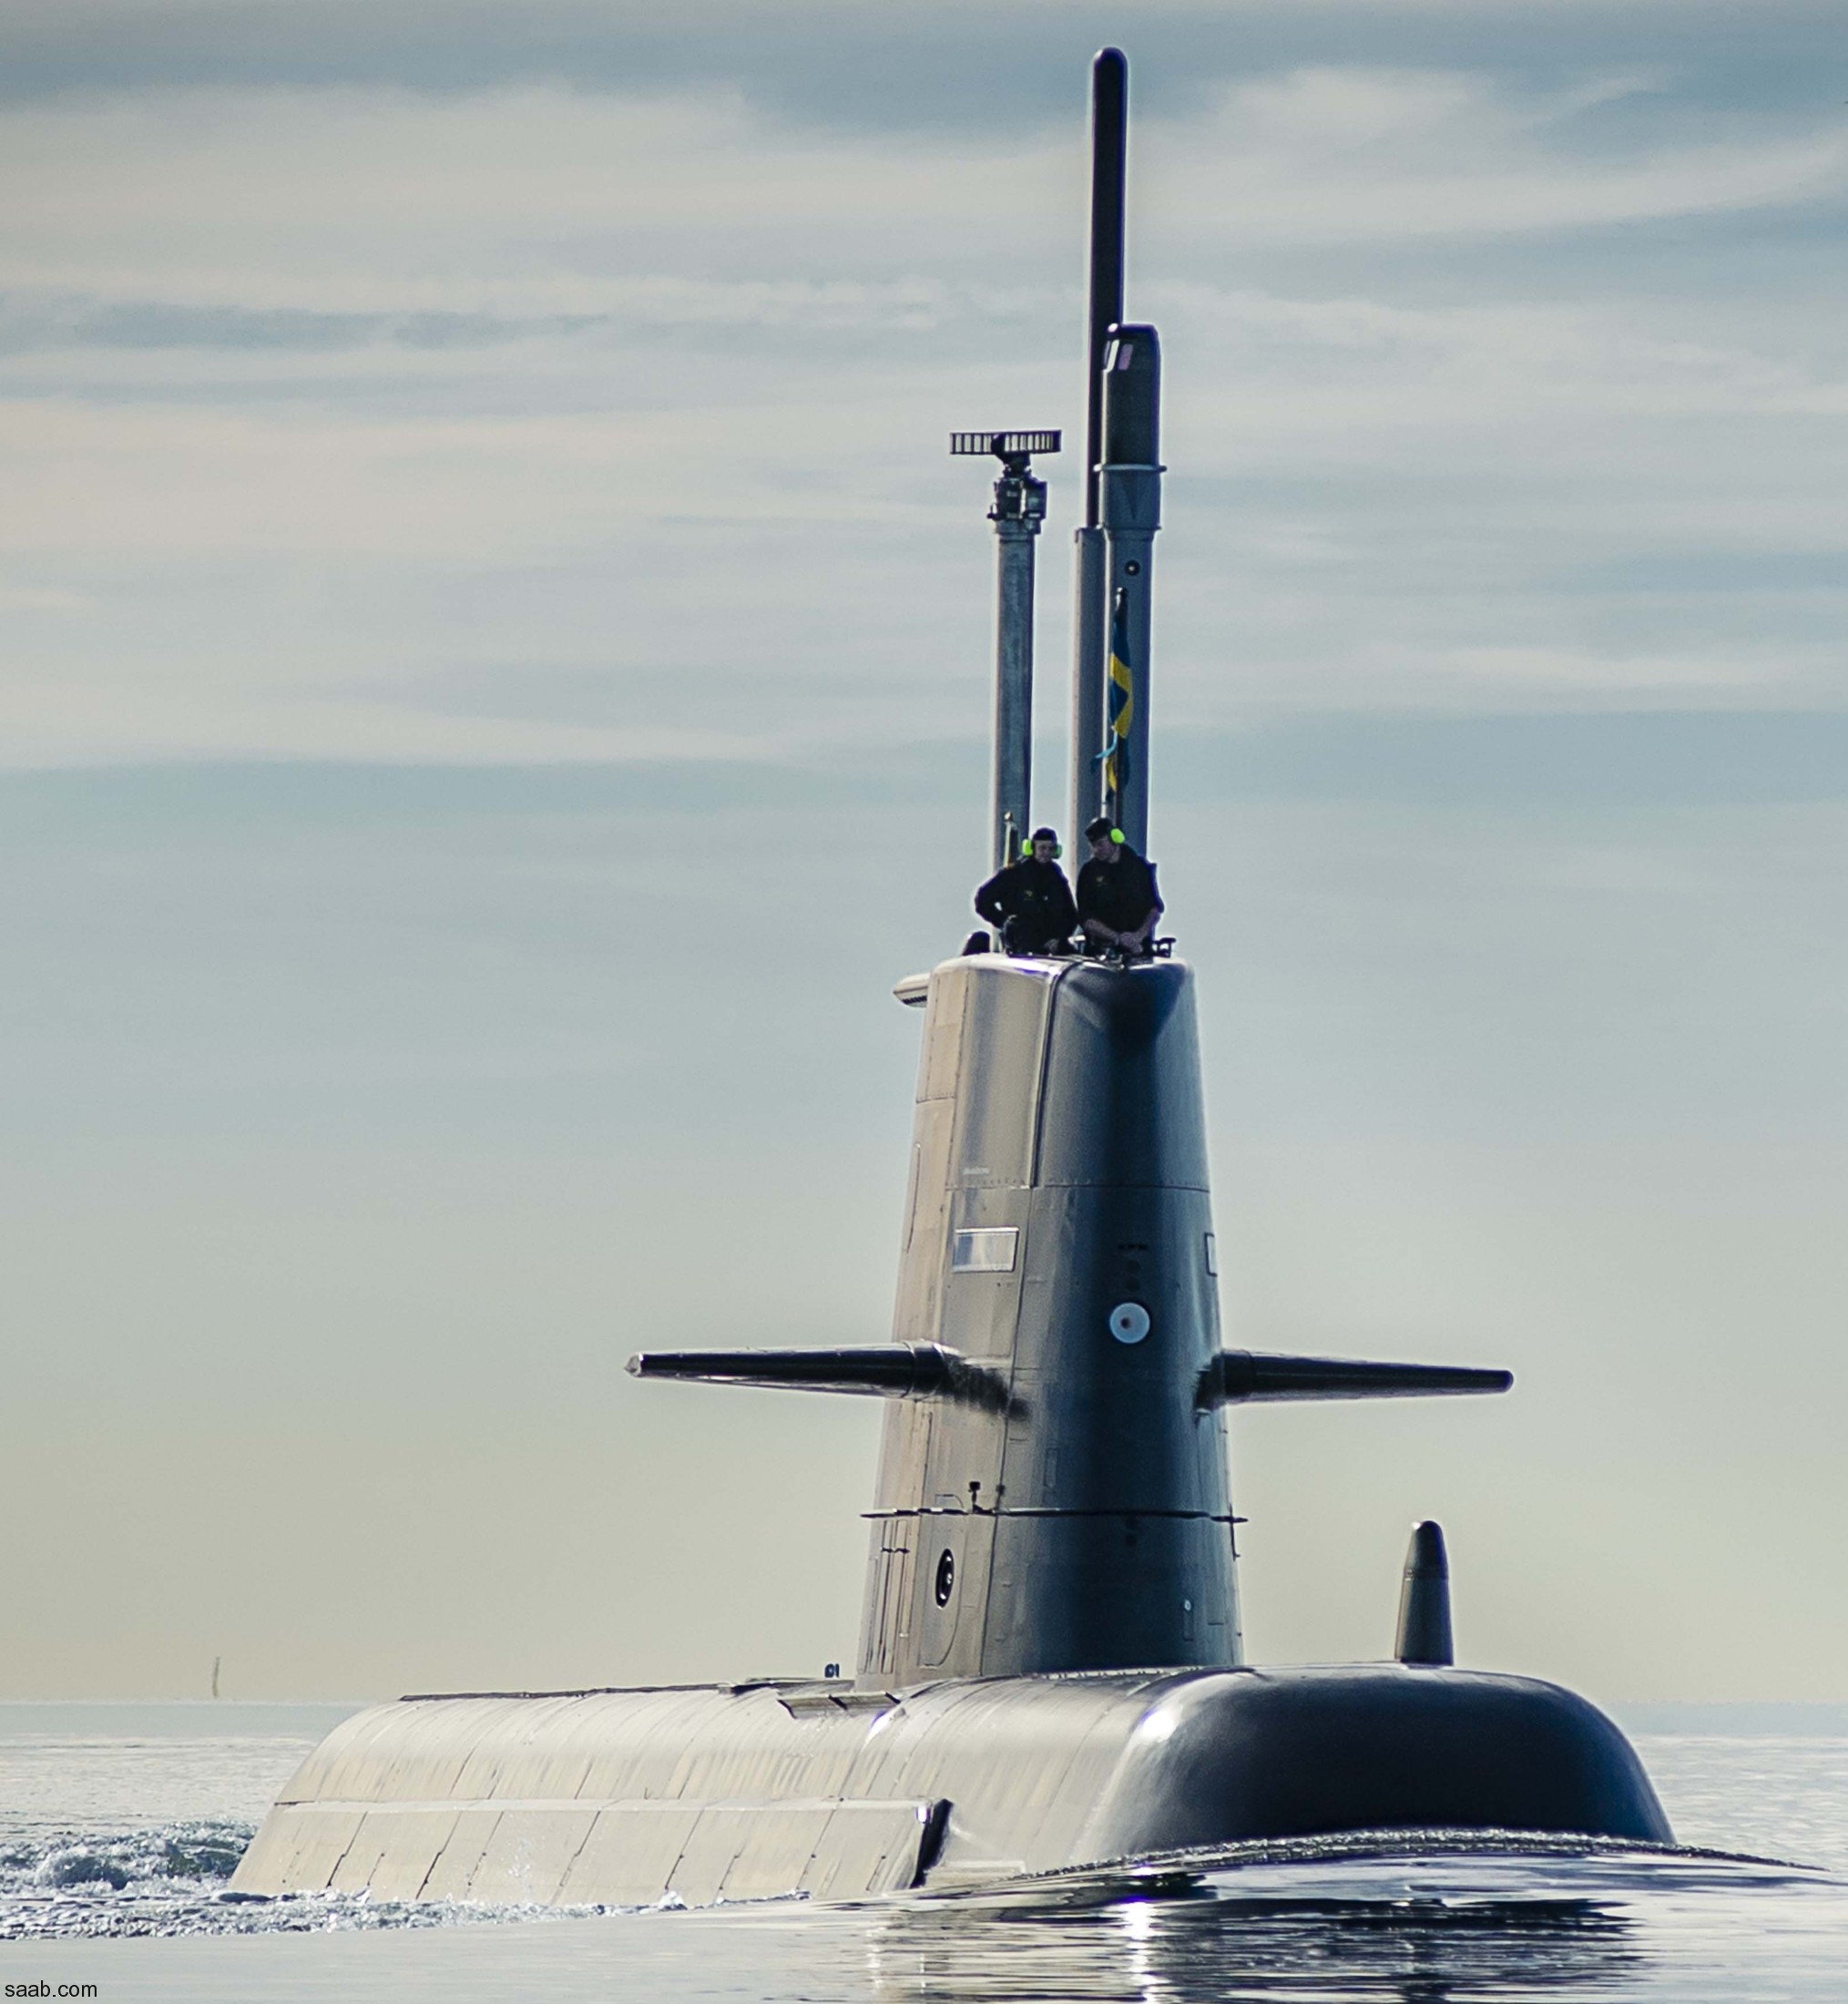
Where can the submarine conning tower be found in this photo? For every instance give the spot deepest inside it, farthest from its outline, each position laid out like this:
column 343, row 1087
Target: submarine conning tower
column 1053, row 1493
column 1066, row 1508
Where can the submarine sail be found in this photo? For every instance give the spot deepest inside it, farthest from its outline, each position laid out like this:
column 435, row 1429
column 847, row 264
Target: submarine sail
column 1052, row 1491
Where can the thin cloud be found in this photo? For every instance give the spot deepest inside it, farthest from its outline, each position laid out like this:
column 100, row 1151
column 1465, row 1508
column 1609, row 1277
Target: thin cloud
column 366, row 403
column 1337, row 156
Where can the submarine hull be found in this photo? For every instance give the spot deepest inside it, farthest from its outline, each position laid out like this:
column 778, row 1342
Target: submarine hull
column 776, row 1790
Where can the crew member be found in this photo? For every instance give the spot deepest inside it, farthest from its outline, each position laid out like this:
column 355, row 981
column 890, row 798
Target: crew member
column 1031, row 902
column 1117, row 899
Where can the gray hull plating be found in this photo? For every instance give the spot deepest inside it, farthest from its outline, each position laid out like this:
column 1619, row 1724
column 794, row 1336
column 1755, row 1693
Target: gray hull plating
column 782, row 1790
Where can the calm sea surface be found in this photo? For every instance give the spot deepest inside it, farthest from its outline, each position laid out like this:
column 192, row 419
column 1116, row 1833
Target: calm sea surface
column 120, row 1824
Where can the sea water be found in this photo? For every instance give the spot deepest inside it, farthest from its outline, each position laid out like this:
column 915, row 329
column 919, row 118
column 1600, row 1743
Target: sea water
column 120, row 1825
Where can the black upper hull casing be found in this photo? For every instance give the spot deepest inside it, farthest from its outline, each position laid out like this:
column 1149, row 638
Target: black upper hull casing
column 1324, row 1752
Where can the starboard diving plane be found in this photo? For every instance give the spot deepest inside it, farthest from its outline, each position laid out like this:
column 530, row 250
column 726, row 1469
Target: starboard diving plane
column 1051, row 1675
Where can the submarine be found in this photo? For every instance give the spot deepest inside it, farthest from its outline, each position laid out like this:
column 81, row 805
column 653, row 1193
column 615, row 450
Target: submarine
column 1051, row 1673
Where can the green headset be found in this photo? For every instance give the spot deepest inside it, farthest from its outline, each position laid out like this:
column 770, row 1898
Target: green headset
column 1058, row 847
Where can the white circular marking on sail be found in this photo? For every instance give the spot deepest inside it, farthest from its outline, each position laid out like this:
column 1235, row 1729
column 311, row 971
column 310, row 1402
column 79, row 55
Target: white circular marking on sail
column 1130, row 1322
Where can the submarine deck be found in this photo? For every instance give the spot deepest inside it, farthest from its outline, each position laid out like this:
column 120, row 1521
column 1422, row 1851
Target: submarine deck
column 823, row 1791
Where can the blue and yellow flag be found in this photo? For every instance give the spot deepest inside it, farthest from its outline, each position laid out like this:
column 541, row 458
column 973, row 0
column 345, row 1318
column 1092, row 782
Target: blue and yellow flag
column 1121, row 694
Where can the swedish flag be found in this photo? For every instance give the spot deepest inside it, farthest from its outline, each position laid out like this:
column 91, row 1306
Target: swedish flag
column 1120, row 691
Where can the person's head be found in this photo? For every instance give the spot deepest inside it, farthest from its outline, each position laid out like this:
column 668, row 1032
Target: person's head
column 1105, row 838
column 1045, row 845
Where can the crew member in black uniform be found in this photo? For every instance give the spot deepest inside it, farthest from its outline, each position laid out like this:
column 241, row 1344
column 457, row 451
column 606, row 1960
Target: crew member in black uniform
column 1117, row 899
column 1031, row 902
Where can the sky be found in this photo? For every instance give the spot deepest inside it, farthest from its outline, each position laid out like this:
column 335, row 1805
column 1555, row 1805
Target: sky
column 493, row 661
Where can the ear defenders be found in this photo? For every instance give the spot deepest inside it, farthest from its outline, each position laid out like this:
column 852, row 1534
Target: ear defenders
column 1026, row 849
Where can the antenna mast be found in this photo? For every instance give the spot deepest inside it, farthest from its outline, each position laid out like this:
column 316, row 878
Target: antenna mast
column 1104, row 309
column 1018, row 511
